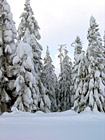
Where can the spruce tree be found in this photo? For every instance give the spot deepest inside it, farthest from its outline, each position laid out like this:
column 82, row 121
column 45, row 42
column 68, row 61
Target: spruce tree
column 27, row 92
column 79, row 72
column 65, row 81
column 95, row 95
column 50, row 79
column 28, row 33
column 103, row 73
column 7, row 49
column 60, row 57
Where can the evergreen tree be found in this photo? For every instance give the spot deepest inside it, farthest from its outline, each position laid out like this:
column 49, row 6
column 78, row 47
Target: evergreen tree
column 50, row 79
column 96, row 93
column 79, row 72
column 28, row 33
column 7, row 49
column 104, row 40
column 61, row 56
column 103, row 73
column 27, row 92
column 65, row 81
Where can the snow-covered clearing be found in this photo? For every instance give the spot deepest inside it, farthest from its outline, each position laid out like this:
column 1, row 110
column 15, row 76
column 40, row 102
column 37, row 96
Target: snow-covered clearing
column 52, row 126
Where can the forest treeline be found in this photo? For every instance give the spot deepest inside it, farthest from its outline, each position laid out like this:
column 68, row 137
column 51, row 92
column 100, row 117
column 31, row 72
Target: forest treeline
column 28, row 84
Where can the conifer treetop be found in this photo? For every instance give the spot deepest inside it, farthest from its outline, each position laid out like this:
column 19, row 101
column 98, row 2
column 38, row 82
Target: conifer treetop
column 28, row 23
column 77, row 44
column 92, row 21
column 94, row 36
column 47, row 57
column 104, row 38
column 78, row 52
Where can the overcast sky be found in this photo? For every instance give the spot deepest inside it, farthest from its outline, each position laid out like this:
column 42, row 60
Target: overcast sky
column 61, row 21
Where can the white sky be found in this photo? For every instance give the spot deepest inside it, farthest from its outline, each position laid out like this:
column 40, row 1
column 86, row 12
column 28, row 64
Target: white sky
column 62, row 20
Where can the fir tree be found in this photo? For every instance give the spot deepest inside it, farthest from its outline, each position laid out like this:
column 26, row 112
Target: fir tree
column 60, row 56
column 50, row 79
column 7, row 49
column 27, row 92
column 28, row 33
column 95, row 95
column 104, row 39
column 78, row 75
column 103, row 73
column 65, row 81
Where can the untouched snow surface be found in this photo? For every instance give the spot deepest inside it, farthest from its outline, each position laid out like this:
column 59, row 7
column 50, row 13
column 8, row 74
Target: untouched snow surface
column 52, row 126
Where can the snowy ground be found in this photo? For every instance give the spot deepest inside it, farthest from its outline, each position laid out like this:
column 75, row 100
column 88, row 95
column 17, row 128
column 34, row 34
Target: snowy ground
column 53, row 126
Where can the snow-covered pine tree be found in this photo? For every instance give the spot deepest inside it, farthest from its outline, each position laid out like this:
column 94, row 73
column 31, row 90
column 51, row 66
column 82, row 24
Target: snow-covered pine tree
column 60, row 56
column 104, row 38
column 7, row 49
column 78, row 75
column 103, row 73
column 27, row 92
column 28, row 33
column 50, row 80
column 95, row 95
column 65, row 81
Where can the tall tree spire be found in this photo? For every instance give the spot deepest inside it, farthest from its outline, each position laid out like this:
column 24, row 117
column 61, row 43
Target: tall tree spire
column 60, row 56
column 95, row 95
column 28, row 36
column 7, row 49
column 78, row 74
column 64, row 98
column 50, row 79
column 104, row 38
